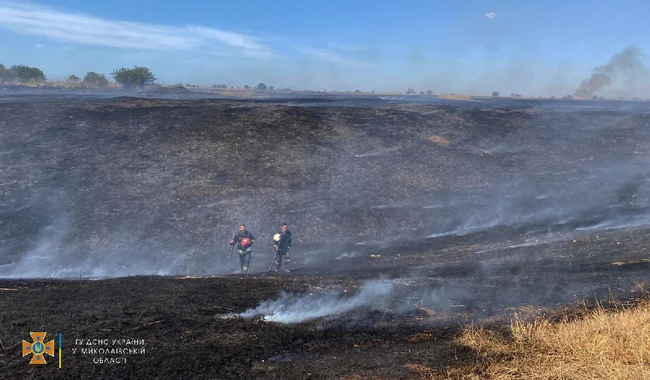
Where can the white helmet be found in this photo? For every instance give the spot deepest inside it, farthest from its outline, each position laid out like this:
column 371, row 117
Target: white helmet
column 276, row 238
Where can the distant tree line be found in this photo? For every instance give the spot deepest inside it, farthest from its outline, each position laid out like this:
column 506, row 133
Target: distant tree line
column 140, row 77
column 411, row 91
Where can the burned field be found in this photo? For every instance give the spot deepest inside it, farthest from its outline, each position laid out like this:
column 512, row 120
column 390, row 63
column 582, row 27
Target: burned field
column 409, row 220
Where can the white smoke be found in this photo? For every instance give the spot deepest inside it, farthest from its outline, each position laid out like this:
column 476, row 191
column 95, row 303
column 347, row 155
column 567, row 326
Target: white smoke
column 484, row 288
column 48, row 260
column 631, row 222
column 289, row 309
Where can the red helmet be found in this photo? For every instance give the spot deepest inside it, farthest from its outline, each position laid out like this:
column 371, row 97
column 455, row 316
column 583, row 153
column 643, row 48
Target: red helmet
column 245, row 242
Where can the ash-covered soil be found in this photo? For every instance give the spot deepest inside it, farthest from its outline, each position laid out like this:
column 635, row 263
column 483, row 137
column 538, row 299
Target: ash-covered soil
column 409, row 219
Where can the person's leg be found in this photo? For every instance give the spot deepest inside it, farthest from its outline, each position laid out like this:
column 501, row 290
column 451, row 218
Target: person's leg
column 242, row 260
column 287, row 261
column 245, row 260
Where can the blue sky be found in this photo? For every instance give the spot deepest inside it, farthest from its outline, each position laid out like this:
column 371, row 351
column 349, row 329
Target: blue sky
column 463, row 46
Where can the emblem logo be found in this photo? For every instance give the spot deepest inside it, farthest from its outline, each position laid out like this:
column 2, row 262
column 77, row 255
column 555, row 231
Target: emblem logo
column 38, row 348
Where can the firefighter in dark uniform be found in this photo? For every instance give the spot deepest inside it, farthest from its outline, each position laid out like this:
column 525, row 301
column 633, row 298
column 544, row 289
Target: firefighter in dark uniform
column 282, row 244
column 244, row 241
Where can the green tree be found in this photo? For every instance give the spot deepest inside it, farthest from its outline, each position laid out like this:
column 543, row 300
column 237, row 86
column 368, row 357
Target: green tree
column 73, row 79
column 410, row 91
column 26, row 73
column 261, row 86
column 5, row 75
column 270, row 88
column 495, row 94
column 95, row 80
column 429, row 92
column 136, row 77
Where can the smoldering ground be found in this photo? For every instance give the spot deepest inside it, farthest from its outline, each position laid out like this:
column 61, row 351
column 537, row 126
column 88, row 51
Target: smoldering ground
column 158, row 186
column 493, row 285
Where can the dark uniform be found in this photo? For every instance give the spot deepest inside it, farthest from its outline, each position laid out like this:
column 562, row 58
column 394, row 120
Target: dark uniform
column 282, row 248
column 244, row 251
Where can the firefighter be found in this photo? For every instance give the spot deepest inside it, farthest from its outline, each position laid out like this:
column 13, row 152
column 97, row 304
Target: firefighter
column 244, row 241
column 282, row 245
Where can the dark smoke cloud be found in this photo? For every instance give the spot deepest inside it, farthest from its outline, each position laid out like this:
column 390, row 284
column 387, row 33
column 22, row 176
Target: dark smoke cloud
column 622, row 66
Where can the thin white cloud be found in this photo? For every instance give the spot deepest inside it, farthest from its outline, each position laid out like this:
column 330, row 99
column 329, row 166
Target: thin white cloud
column 38, row 20
column 39, row 46
column 341, row 46
column 491, row 15
column 331, row 56
column 361, row 53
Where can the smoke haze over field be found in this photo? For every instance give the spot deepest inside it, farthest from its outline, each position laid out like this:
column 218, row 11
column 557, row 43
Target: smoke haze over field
column 125, row 186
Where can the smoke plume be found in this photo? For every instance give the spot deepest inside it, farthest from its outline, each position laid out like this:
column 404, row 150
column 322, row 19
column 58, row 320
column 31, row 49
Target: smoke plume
column 291, row 309
column 622, row 68
column 490, row 288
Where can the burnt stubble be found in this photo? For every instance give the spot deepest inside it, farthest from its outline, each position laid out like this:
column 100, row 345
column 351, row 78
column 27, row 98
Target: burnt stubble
column 410, row 218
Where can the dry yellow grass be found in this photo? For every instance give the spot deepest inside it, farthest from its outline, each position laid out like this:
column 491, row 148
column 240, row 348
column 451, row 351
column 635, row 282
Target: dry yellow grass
column 419, row 337
column 439, row 140
column 631, row 262
column 455, row 97
column 605, row 344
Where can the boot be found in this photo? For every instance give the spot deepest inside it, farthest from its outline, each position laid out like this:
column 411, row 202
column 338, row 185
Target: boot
column 244, row 270
column 286, row 266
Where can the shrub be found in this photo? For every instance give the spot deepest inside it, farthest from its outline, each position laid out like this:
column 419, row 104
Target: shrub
column 135, row 77
column 95, row 80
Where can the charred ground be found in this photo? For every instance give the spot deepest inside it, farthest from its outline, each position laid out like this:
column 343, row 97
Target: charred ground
column 464, row 211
